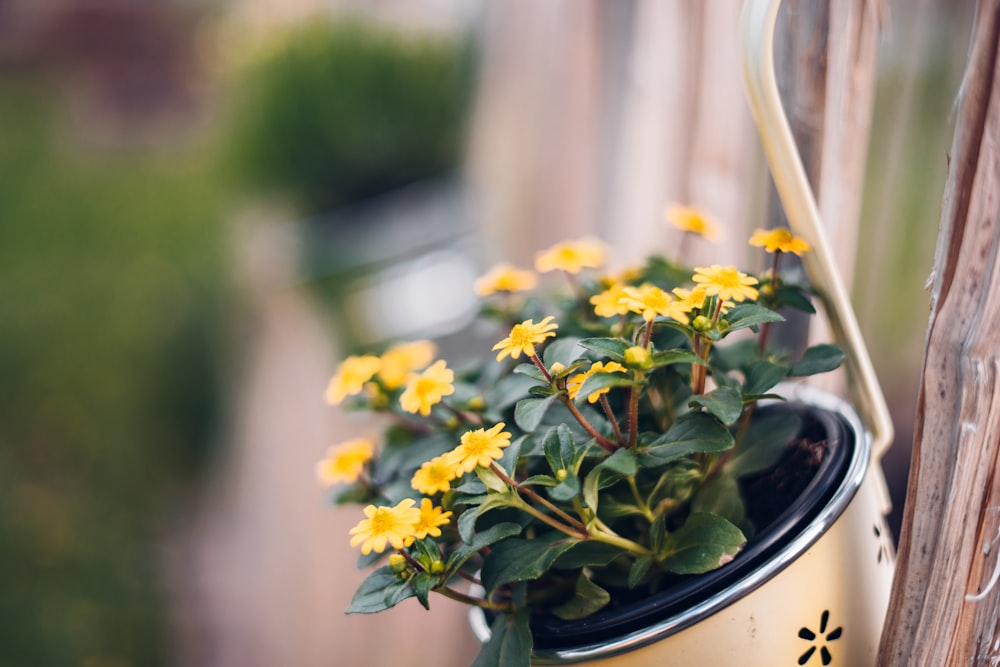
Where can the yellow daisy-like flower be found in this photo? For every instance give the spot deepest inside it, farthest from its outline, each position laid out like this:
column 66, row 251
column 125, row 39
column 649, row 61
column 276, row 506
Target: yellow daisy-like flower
column 401, row 360
column 431, row 520
column 574, row 383
column 393, row 525
column 650, row 301
column 524, row 337
column 351, row 376
column 344, row 462
column 608, row 303
column 692, row 220
column 427, row 389
column 505, row 278
column 479, row 448
column 726, row 282
column 779, row 240
column 434, row 476
column 571, row 257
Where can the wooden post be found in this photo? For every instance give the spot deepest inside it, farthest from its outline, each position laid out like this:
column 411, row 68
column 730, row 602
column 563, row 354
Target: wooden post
column 945, row 606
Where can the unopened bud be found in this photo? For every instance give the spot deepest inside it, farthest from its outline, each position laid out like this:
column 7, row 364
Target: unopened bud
column 397, row 564
column 437, row 567
column 701, row 323
column 556, row 369
column 477, row 403
column 561, row 474
column 636, row 356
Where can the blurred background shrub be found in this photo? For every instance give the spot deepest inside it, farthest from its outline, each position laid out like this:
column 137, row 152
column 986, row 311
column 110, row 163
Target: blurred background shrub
column 331, row 112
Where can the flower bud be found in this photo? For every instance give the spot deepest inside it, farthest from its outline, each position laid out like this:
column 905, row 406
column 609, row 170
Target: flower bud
column 561, row 474
column 637, row 356
column 477, row 403
column 437, row 567
column 701, row 323
column 397, row 564
column 723, row 325
column 556, row 369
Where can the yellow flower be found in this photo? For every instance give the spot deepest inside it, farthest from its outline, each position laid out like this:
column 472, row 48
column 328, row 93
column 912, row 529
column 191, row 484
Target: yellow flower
column 779, row 240
column 351, row 376
column 400, row 360
column 431, row 520
column 692, row 220
column 479, row 448
column 691, row 299
column 571, row 257
column 395, row 525
column 344, row 462
column 434, row 476
column 574, row 383
column 726, row 282
column 650, row 301
column 426, row 389
column 505, row 278
column 608, row 303
column 524, row 337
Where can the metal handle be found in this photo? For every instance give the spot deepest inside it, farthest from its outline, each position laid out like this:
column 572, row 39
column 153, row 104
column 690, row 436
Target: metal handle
column 757, row 23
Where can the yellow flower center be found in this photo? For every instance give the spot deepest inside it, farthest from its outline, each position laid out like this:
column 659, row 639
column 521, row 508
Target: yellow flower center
column 382, row 521
column 475, row 443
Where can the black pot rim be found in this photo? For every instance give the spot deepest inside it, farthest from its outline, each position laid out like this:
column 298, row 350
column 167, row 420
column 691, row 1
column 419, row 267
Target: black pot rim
column 642, row 622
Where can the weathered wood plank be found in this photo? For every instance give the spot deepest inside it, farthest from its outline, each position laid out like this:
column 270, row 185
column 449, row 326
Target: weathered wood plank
column 945, row 607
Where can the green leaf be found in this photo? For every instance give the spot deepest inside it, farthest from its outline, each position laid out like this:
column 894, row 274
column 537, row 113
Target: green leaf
column 422, row 584
column 563, row 350
column 567, row 489
column 510, row 642
column 587, row 598
column 540, row 480
column 622, row 462
column 612, row 348
column 487, row 537
column 764, row 443
column 746, row 315
column 396, row 592
column 370, row 596
column 588, row 554
column 518, row 559
column 639, row 570
column 560, row 449
column 490, row 479
column 692, row 433
column 726, row 403
column 528, row 412
column 667, row 357
column 599, row 381
column 763, row 376
column 720, row 495
column 532, row 371
column 467, row 520
column 509, row 389
column 704, row 543
column 818, row 359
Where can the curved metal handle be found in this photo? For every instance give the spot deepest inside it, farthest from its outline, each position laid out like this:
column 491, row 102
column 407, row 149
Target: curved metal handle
column 757, row 27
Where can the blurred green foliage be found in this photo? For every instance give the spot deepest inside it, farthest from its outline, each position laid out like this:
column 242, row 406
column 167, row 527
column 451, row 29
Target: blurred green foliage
column 110, row 277
column 340, row 111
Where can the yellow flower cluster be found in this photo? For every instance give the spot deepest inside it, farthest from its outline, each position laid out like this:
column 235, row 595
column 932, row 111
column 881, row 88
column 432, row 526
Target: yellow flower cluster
column 397, row 367
column 345, row 462
column 398, row 526
column 692, row 220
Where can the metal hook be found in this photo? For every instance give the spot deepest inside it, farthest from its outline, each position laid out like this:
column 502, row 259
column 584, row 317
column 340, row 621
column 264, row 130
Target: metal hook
column 757, row 27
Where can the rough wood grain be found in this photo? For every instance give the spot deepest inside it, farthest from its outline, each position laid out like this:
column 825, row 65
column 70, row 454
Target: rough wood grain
column 945, row 606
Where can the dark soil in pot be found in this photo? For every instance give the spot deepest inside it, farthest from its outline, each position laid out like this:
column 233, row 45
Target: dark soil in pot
column 780, row 502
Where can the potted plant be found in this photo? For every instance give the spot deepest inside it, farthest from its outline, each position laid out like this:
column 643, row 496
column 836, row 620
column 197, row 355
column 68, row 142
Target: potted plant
column 622, row 470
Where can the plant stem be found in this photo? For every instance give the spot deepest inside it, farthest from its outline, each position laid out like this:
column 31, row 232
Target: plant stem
column 574, row 529
column 640, row 503
column 608, row 536
column 605, row 444
column 541, row 367
column 613, row 419
column 468, row 599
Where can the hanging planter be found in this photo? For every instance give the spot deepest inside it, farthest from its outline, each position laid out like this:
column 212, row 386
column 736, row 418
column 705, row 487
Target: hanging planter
column 811, row 589
column 639, row 487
